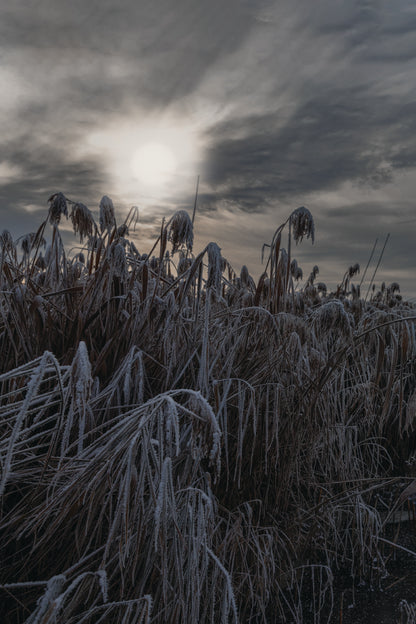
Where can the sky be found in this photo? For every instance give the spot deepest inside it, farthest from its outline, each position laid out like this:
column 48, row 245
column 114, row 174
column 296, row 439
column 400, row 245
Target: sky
column 275, row 104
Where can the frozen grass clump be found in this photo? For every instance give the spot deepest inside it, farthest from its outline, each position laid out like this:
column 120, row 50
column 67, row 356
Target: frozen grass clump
column 182, row 444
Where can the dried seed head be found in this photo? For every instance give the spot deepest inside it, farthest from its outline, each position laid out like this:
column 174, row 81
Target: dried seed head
column 118, row 260
column 40, row 262
column 6, row 241
column 134, row 249
column 214, row 266
column 27, row 243
column 332, row 315
column 58, row 206
column 107, row 218
column 181, row 231
column 244, row 275
column 184, row 264
column 123, row 230
column 353, row 270
column 283, row 261
column 247, row 300
column 38, row 301
column 76, row 271
column 314, row 273
column 302, row 223
column 298, row 274
column 295, row 270
column 82, row 221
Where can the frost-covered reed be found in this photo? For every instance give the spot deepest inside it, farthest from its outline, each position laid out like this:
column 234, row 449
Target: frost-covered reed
column 180, row 444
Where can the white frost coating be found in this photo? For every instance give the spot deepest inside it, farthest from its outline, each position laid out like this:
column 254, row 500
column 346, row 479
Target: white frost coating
column 207, row 411
column 231, row 597
column 161, row 497
column 80, row 386
column 131, row 377
column 53, row 589
column 107, row 219
column 172, row 423
column 58, row 598
column 32, row 389
column 83, row 365
column 118, row 261
column 103, row 580
column 214, row 267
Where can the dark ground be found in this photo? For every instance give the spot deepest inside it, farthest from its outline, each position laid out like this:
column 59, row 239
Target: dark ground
column 366, row 605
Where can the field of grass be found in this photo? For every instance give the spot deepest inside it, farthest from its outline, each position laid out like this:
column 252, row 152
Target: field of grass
column 179, row 444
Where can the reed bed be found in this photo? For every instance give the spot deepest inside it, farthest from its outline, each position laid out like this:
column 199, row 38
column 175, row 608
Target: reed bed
column 180, row 444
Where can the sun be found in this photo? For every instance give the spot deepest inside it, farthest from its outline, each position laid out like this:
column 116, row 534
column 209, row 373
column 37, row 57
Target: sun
column 149, row 159
column 153, row 164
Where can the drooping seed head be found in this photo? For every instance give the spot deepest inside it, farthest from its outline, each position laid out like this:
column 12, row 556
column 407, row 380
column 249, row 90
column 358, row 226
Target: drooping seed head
column 181, row 231
column 58, row 207
column 302, row 224
column 82, row 221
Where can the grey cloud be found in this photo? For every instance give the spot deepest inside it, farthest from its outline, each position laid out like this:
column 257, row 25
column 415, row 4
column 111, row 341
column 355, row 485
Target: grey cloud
column 167, row 48
column 329, row 139
column 45, row 169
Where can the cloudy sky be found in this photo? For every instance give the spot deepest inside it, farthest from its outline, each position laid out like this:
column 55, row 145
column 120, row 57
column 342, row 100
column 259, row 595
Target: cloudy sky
column 274, row 103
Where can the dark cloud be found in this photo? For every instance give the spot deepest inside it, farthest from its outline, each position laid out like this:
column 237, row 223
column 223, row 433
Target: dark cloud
column 329, row 139
column 109, row 52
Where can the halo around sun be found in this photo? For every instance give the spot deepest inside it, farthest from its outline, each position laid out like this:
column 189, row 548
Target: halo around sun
column 153, row 163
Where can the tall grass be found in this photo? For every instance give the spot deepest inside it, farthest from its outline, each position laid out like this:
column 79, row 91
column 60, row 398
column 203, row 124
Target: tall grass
column 181, row 444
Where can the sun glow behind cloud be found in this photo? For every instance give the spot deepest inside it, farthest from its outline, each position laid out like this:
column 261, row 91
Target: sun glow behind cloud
column 149, row 160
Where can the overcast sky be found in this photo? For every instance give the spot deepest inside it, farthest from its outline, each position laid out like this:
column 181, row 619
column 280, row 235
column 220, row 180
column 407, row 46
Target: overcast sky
column 275, row 104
